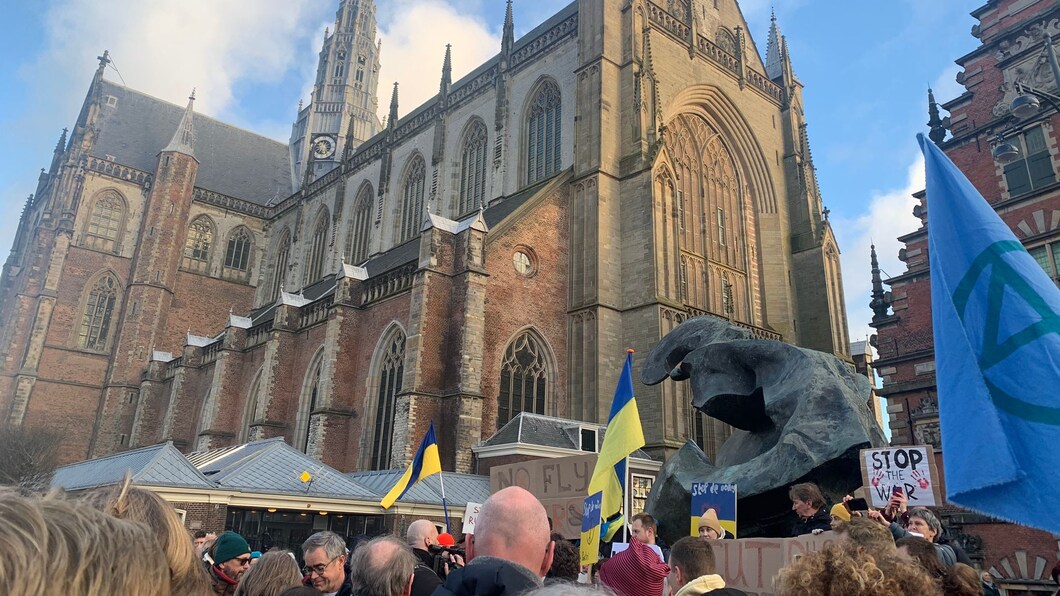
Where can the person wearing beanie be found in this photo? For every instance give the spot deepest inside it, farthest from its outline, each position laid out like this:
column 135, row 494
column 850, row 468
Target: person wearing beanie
column 710, row 527
column 840, row 514
column 636, row 571
column 227, row 560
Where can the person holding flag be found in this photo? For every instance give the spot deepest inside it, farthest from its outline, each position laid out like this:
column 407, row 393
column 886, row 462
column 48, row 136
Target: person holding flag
column 996, row 324
column 623, row 436
column 426, row 463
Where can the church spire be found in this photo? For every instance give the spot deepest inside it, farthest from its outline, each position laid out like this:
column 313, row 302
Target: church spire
column 447, row 72
column 774, row 67
column 879, row 303
column 184, row 139
column 508, row 38
column 391, row 119
column 937, row 132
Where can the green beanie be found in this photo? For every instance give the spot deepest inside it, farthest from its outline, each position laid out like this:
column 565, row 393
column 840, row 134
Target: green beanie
column 229, row 546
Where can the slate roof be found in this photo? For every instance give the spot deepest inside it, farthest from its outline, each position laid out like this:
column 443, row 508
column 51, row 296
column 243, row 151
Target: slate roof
column 158, row 465
column 546, row 431
column 460, row 489
column 232, row 161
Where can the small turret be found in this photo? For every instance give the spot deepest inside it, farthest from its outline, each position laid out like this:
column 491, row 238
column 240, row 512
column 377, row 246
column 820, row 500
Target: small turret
column 447, row 73
column 880, row 302
column 938, row 131
column 392, row 117
column 184, row 139
column 508, row 37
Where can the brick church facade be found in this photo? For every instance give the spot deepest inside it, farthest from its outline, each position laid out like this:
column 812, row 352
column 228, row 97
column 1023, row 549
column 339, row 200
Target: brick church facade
column 1025, row 192
column 620, row 168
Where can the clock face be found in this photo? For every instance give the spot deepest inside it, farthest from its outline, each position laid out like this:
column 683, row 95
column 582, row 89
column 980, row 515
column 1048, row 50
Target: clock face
column 323, row 147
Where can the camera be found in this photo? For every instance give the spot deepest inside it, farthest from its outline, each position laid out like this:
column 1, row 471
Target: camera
column 443, row 558
column 438, row 549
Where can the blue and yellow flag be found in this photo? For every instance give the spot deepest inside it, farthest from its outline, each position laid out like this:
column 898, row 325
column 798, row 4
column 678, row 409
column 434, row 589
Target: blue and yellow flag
column 623, row 436
column 423, row 465
column 996, row 319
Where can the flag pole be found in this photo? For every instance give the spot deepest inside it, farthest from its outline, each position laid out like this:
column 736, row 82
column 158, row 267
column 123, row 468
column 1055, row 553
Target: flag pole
column 445, row 508
column 627, row 504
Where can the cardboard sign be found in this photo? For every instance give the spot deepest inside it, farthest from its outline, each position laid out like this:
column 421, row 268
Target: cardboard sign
column 470, row 514
column 721, row 497
column 912, row 468
column 751, row 564
column 589, row 551
column 561, row 484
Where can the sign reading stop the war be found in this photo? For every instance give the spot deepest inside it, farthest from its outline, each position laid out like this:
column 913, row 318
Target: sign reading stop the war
column 911, row 468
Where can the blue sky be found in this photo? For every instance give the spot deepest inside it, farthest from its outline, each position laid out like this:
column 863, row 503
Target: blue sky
column 866, row 67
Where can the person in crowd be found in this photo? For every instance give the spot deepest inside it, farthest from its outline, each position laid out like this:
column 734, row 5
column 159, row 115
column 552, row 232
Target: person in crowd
column 565, row 561
column 922, row 522
column 961, row 580
column 325, row 564
column 199, row 540
column 274, row 572
column 710, row 526
column 692, row 570
column 52, row 545
column 838, row 514
column 636, row 571
column 989, row 587
column 383, row 567
column 808, row 504
column 645, row 528
column 922, row 552
column 565, row 589
column 300, row 591
column 227, row 560
column 850, row 570
column 868, row 535
column 510, row 551
column 136, row 504
column 421, row 535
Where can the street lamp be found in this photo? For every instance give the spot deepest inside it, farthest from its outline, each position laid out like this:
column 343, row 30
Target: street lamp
column 1028, row 104
column 1005, row 152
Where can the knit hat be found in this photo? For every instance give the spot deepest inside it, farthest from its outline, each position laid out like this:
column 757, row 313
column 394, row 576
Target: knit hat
column 635, row 571
column 446, row 539
column 710, row 520
column 840, row 510
column 229, row 546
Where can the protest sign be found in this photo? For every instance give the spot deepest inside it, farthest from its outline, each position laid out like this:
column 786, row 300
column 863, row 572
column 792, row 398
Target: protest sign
column 751, row 564
column 561, row 484
column 589, row 551
column 912, row 468
column 470, row 514
column 721, row 497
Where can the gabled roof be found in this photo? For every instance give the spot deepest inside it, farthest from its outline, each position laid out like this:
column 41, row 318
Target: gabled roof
column 460, row 489
column 547, row 431
column 232, row 161
column 273, row 466
column 158, row 465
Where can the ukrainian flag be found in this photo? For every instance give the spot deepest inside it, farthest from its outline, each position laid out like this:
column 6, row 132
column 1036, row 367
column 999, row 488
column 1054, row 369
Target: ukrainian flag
column 423, row 465
column 624, row 435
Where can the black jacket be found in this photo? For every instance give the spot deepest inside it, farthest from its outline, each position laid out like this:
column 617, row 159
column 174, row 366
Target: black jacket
column 424, row 579
column 489, row 576
column 821, row 520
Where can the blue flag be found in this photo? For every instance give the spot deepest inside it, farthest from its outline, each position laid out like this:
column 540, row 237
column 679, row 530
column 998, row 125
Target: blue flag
column 996, row 318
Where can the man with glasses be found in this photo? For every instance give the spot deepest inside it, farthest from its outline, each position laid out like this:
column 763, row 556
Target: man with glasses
column 325, row 564
column 228, row 560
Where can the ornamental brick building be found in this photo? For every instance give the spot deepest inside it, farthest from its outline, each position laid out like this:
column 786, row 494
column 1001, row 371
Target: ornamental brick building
column 620, row 168
column 1026, row 194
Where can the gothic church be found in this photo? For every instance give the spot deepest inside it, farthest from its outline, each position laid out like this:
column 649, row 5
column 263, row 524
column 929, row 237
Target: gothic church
column 623, row 166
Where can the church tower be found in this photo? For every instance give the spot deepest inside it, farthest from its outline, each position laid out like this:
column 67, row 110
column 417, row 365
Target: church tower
column 342, row 110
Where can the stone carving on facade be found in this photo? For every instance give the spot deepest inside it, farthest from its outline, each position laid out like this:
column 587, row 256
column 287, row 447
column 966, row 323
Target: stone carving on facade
column 1032, row 70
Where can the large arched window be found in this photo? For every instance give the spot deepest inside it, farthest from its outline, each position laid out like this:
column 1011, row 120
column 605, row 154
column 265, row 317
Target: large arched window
column 237, row 253
column 251, row 409
column 473, row 168
column 308, row 403
column 391, row 367
column 317, row 249
column 543, row 134
column 105, row 222
column 197, row 246
column 412, row 199
column 360, row 230
column 283, row 258
column 98, row 314
column 524, row 378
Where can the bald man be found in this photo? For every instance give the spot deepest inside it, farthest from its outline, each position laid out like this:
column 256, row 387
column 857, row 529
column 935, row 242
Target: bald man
column 510, row 552
column 382, row 567
column 421, row 536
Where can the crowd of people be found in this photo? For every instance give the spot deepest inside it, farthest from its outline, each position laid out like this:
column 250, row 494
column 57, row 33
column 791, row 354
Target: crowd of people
column 127, row 540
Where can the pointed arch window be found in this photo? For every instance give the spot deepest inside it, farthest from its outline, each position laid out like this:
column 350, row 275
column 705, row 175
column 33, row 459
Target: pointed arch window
column 473, row 168
column 105, row 223
column 317, row 249
column 283, row 257
column 311, row 395
column 543, row 134
column 197, row 246
column 251, row 410
column 237, row 253
column 391, row 370
column 412, row 199
column 524, row 379
column 98, row 314
column 359, row 235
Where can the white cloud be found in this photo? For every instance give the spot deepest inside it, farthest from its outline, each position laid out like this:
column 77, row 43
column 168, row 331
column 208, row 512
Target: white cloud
column 414, row 35
column 888, row 214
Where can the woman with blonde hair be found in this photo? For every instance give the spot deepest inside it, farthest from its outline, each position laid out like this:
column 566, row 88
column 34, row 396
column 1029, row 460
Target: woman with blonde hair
column 124, row 501
column 849, row 570
column 275, row 572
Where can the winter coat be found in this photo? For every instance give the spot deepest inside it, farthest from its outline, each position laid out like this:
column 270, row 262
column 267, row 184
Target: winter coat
column 489, row 576
column 818, row 521
column 222, row 584
column 708, row 584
